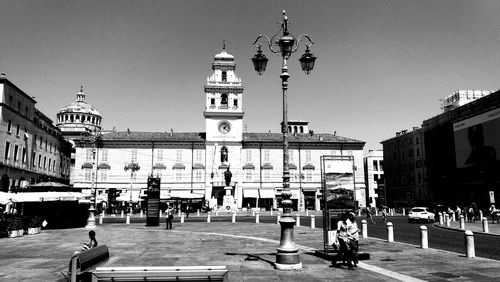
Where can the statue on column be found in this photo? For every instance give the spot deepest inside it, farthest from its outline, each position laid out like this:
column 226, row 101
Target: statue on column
column 227, row 177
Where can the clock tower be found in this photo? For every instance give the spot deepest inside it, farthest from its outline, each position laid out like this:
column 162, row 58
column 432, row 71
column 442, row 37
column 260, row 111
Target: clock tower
column 223, row 101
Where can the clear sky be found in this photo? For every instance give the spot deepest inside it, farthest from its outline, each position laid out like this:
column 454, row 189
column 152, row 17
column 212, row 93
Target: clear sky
column 382, row 65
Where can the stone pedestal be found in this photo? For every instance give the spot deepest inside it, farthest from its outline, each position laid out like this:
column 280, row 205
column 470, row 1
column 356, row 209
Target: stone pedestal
column 229, row 204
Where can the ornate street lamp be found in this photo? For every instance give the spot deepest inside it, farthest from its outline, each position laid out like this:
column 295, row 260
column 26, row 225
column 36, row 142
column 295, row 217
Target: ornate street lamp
column 92, row 138
column 133, row 167
column 287, row 256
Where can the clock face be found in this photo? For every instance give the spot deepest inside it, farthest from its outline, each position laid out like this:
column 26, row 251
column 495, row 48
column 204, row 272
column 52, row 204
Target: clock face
column 224, row 127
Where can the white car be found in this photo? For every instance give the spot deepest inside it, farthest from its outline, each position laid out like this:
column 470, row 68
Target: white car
column 421, row 214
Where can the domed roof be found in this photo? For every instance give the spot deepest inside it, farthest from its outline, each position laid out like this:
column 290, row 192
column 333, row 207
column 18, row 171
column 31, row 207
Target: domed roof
column 80, row 106
column 224, row 56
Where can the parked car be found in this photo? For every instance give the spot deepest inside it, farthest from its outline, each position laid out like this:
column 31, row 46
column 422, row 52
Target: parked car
column 421, row 214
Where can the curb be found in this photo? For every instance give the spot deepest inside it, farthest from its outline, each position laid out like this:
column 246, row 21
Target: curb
column 463, row 230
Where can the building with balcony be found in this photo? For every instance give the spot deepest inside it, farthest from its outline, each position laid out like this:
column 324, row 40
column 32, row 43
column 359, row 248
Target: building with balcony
column 374, row 178
column 191, row 165
column 33, row 149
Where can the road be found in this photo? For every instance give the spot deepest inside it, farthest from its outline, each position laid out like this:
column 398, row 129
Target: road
column 486, row 246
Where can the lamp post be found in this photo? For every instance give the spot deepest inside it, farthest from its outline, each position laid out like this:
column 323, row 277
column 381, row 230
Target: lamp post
column 92, row 138
column 287, row 256
column 133, row 167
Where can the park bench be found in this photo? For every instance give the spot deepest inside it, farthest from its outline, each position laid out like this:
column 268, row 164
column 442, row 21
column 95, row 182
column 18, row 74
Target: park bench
column 81, row 262
column 161, row 273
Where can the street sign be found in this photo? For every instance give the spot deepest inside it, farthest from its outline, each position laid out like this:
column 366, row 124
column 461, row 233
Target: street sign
column 153, row 202
column 492, row 197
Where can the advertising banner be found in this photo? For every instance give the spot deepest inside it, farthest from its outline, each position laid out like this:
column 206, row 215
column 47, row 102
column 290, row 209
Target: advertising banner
column 153, row 199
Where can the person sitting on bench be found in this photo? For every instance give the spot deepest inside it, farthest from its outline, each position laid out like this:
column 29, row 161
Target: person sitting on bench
column 93, row 242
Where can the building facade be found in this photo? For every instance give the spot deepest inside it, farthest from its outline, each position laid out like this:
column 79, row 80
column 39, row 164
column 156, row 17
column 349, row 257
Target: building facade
column 33, row 149
column 404, row 169
column 374, row 178
column 191, row 165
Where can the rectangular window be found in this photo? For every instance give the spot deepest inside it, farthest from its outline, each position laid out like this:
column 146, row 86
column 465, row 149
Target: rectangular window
column 104, row 174
column 267, row 175
column 50, row 164
column 44, row 162
column 381, row 165
column 199, row 155
column 309, row 176
column 290, row 156
column 18, row 130
column 104, row 155
column 178, row 175
column 375, row 165
column 54, row 165
column 198, row 175
column 39, row 161
column 50, row 147
column 159, row 155
column 212, row 102
column 88, row 155
column 248, row 174
column 134, row 155
column 41, row 141
column 418, row 152
column 33, row 159
column 9, row 126
column 235, row 103
column 308, row 156
column 178, row 157
column 45, row 145
column 19, row 106
column 16, row 152
column 88, row 174
column 6, row 155
column 417, row 141
column 266, row 155
column 249, row 156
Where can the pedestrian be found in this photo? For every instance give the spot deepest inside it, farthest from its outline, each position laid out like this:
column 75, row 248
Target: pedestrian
column 341, row 240
column 92, row 243
column 187, row 211
column 169, row 216
column 369, row 215
column 384, row 215
column 458, row 211
column 450, row 213
column 494, row 214
column 353, row 239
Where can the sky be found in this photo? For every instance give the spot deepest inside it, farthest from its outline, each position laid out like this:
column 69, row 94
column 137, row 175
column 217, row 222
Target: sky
column 382, row 66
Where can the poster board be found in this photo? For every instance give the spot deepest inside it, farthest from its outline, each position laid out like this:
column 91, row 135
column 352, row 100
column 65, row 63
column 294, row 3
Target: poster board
column 153, row 202
column 338, row 190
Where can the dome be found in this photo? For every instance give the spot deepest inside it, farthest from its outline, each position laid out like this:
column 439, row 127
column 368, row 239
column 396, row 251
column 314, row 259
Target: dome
column 224, row 56
column 80, row 106
column 78, row 117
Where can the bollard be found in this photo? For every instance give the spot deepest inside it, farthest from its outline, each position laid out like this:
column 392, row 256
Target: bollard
column 278, row 218
column 102, row 213
column 392, row 212
column 257, row 217
column 298, row 220
column 453, row 217
column 216, row 213
column 253, row 212
column 462, row 222
column 234, row 217
column 404, row 211
column 424, row 241
column 142, row 213
column 480, row 215
column 127, row 221
column 376, row 212
column 182, row 217
column 364, row 229
column 122, row 214
column 359, row 212
column 469, row 244
column 313, row 221
column 198, row 212
column 271, row 212
column 390, row 232
column 208, row 217
column 100, row 219
column 179, row 212
column 485, row 225
column 440, row 218
column 447, row 220
column 161, row 213
column 307, row 212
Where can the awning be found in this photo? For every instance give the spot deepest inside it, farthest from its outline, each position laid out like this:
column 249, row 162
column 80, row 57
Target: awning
column 126, row 197
column 266, row 193
column 223, row 166
column 178, row 166
column 292, row 166
column 309, row 189
column 46, row 196
column 87, row 165
column 186, row 194
column 308, row 167
column 5, row 198
column 159, row 166
column 104, row 166
column 267, row 166
column 249, row 166
column 198, row 166
column 250, row 193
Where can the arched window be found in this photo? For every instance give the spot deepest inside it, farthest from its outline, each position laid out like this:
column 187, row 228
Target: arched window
column 224, row 76
column 295, row 129
column 301, row 129
column 223, row 154
column 289, row 129
column 223, row 100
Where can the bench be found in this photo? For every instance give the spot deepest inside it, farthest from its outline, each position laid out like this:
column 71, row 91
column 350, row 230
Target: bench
column 82, row 261
column 161, row 273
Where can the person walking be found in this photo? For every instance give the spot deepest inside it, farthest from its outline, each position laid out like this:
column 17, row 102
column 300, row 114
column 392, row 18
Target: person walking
column 369, row 215
column 353, row 239
column 169, row 216
column 341, row 240
column 384, row 215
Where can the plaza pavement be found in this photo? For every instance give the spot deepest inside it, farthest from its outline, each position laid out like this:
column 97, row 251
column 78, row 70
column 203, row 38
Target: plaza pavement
column 247, row 249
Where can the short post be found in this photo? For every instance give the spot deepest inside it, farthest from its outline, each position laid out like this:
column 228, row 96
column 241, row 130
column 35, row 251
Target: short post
column 313, row 221
column 392, row 212
column 182, row 217
column 424, row 241
column 142, row 213
column 257, row 217
column 122, row 214
column 462, row 222
column 253, row 212
column 278, row 218
column 102, row 213
column 404, row 211
column 307, row 212
column 208, row 217
column 161, row 213
column 217, row 213
column 198, row 212
column 364, row 229
column 234, row 218
column 480, row 215
column 359, row 212
column 485, row 225
column 441, row 221
column 271, row 212
column 447, row 220
column 100, row 219
column 376, row 211
column 127, row 221
column 179, row 212
column 453, row 217
column 298, row 220
column 469, row 244
column 390, row 232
